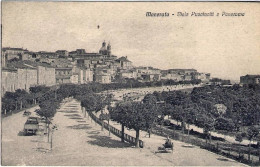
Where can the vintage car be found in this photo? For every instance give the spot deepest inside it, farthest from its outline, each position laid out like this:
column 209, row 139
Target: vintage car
column 31, row 126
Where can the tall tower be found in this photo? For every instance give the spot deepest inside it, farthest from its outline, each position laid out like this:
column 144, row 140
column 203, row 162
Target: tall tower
column 104, row 44
column 103, row 49
column 109, row 49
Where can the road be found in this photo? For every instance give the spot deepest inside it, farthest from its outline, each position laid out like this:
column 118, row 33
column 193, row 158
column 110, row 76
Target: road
column 141, row 92
column 226, row 137
column 79, row 141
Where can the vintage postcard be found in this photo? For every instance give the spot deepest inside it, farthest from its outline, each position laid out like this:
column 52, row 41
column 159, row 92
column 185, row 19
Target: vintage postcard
column 130, row 83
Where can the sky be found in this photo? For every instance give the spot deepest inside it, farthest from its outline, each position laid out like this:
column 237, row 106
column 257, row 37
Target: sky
column 226, row 47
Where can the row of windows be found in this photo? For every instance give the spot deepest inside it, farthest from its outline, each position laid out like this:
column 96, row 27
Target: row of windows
column 63, row 72
column 12, row 88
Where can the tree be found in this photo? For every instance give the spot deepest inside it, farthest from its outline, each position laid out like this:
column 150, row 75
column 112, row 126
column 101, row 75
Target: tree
column 208, row 126
column 8, row 104
column 48, row 110
column 134, row 115
column 39, row 89
column 190, row 116
column 239, row 138
column 89, row 102
column 119, row 114
column 177, row 113
column 106, row 116
column 252, row 132
column 102, row 102
column 206, row 122
column 166, row 109
column 11, row 100
column 224, row 124
column 150, row 102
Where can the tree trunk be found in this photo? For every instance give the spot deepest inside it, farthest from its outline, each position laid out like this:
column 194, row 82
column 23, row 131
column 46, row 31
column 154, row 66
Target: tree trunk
column 108, row 127
column 259, row 155
column 182, row 125
column 259, row 152
column 188, row 129
column 209, row 137
column 137, row 138
column 239, row 152
column 102, row 123
column 48, row 127
column 123, row 132
column 51, row 141
column 249, row 150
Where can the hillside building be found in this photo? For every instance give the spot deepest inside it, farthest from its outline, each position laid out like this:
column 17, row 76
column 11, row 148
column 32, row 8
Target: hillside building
column 62, row 53
column 9, row 80
column 123, row 63
column 63, row 75
column 250, row 79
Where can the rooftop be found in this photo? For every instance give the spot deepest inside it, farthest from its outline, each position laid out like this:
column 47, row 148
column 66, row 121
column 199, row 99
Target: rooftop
column 11, row 69
column 9, row 48
column 19, row 64
column 251, row 76
column 148, row 68
column 123, row 59
column 182, row 70
column 47, row 53
column 35, row 64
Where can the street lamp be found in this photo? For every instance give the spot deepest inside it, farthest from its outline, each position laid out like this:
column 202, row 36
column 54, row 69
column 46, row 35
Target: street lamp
column 53, row 128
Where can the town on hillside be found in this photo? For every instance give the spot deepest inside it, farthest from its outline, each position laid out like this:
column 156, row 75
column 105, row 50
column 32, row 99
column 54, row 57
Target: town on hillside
column 22, row 69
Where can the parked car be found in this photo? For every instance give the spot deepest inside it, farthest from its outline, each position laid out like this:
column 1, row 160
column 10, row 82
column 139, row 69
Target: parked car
column 26, row 113
column 31, row 126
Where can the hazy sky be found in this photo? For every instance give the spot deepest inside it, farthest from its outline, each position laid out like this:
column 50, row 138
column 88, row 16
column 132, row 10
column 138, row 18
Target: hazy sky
column 226, row 47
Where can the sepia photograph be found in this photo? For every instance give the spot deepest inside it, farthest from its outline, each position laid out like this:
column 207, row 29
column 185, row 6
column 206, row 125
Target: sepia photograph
column 130, row 83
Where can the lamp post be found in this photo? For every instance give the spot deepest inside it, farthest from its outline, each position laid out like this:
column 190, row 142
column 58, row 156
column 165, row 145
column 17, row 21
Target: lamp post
column 55, row 91
column 52, row 131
